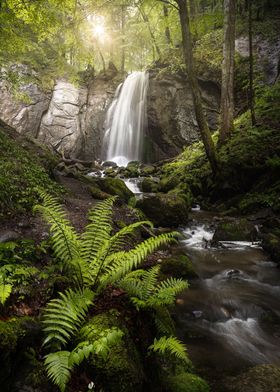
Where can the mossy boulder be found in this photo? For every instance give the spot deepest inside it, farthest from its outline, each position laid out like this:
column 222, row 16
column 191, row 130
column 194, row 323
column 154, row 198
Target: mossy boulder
column 166, row 210
column 235, row 230
column 262, row 378
column 178, row 266
column 113, row 186
column 148, row 170
column 16, row 335
column 271, row 244
column 149, row 186
column 166, row 184
column 122, row 370
column 97, row 193
column 187, row 382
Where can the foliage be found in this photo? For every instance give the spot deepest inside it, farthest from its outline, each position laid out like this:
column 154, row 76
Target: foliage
column 170, row 344
column 95, row 259
column 5, row 290
column 187, row 382
column 23, row 166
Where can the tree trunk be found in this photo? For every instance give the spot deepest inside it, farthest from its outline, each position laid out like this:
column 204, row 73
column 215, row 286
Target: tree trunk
column 167, row 29
column 188, row 55
column 251, row 70
column 146, row 20
column 227, row 97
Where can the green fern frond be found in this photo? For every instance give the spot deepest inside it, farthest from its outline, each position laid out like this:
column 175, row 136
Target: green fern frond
column 170, row 345
column 65, row 240
column 98, row 230
column 58, row 368
column 64, row 316
column 163, row 321
column 120, row 263
column 5, row 290
column 166, row 292
column 120, row 238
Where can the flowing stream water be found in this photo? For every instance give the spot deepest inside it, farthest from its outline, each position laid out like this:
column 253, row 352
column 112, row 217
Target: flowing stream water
column 229, row 317
column 126, row 120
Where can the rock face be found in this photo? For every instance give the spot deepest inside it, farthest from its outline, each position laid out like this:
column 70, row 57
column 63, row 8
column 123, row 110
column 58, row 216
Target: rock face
column 26, row 116
column 61, row 124
column 171, row 118
column 267, row 53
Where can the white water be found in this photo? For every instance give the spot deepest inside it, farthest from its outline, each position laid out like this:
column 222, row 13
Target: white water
column 126, row 120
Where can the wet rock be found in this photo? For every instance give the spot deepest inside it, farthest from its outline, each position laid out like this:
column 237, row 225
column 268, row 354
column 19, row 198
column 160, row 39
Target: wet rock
column 235, row 230
column 109, row 164
column 148, row 185
column 271, row 244
column 178, row 266
column 166, row 210
column 9, row 235
column 113, row 187
column 232, row 273
column 197, row 313
column 262, row 378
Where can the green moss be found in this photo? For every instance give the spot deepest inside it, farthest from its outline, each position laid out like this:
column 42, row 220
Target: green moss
column 187, row 382
column 122, row 371
column 178, row 266
column 113, row 186
column 149, row 186
column 97, row 193
column 23, row 167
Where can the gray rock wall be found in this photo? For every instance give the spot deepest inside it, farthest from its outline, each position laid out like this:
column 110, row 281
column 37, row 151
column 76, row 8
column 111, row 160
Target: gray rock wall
column 171, row 118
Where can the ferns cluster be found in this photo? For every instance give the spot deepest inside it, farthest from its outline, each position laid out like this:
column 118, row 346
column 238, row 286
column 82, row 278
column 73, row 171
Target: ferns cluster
column 96, row 259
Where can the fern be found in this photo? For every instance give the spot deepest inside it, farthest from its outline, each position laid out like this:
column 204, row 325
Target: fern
column 170, row 345
column 64, row 316
column 58, row 368
column 5, row 290
column 65, row 240
column 163, row 321
column 60, row 364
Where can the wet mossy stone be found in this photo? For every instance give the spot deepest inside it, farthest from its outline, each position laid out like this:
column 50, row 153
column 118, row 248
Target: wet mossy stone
column 16, row 335
column 166, row 184
column 149, row 186
column 165, row 210
column 187, row 382
column 235, row 230
column 97, row 193
column 114, row 187
column 148, row 170
column 122, row 370
column 271, row 244
column 178, row 266
column 262, row 378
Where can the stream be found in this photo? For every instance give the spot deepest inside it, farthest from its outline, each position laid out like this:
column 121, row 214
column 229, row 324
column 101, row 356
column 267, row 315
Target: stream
column 229, row 317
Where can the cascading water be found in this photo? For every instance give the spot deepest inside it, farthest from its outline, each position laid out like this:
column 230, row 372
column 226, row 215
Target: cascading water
column 126, row 120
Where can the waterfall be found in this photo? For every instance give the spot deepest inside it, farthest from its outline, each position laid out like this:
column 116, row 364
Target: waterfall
column 126, row 120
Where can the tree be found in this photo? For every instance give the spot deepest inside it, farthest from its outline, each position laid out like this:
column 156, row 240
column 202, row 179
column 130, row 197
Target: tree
column 227, row 96
column 251, row 69
column 197, row 102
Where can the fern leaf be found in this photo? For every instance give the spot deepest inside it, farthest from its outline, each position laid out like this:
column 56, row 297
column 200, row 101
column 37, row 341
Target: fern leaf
column 58, row 368
column 5, row 290
column 166, row 292
column 120, row 263
column 63, row 316
column 170, row 345
column 163, row 321
column 99, row 229
column 65, row 240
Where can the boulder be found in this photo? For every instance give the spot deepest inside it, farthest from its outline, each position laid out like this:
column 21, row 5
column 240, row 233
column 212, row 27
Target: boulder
column 271, row 244
column 148, row 185
column 113, row 186
column 235, row 230
column 166, row 210
column 262, row 378
column 178, row 266
column 187, row 382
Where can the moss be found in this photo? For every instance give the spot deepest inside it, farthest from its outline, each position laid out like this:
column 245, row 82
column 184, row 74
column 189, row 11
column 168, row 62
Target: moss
column 113, row 186
column 24, row 166
column 122, row 371
column 187, row 382
column 166, row 210
column 149, row 186
column 97, row 193
column 271, row 244
column 178, row 266
column 235, row 230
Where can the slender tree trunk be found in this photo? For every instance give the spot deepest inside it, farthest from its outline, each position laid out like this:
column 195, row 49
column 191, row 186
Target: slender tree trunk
column 227, row 97
column 192, row 9
column 188, row 55
column 123, row 39
column 167, row 29
column 251, row 70
column 146, row 20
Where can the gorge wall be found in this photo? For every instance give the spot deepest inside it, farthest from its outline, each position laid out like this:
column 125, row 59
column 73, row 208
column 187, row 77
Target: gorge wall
column 70, row 119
